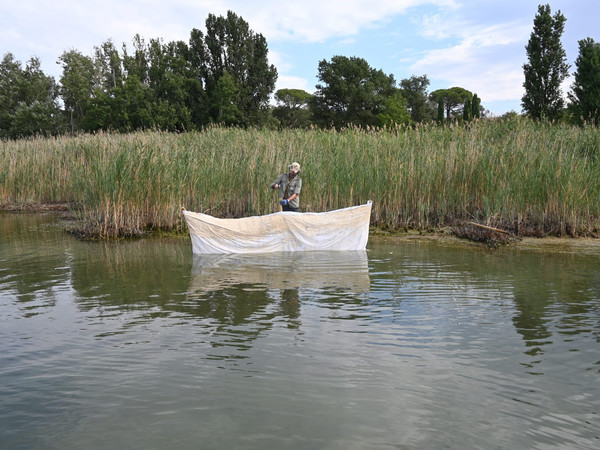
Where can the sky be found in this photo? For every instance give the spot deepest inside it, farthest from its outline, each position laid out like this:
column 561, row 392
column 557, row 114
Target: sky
column 475, row 44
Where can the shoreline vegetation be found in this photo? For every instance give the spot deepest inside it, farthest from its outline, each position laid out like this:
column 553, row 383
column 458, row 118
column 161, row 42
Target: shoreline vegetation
column 529, row 179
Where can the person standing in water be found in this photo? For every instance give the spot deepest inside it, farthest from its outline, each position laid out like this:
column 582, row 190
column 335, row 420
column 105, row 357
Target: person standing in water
column 289, row 185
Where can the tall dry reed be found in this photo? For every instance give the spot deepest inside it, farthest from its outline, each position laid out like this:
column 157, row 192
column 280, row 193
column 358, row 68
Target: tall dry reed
column 525, row 176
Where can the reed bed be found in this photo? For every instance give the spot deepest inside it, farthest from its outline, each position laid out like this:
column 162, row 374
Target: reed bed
column 527, row 177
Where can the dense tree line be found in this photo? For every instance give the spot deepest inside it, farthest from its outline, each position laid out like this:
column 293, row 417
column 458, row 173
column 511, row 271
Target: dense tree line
column 29, row 100
column 219, row 76
column 223, row 76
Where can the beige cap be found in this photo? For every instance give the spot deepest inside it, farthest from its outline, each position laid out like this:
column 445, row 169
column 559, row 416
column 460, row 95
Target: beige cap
column 295, row 167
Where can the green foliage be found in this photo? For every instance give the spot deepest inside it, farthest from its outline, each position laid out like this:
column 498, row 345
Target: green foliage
column 77, row 85
column 108, row 66
column 414, row 90
column 471, row 108
column 394, row 111
column 467, row 110
column 137, row 97
column 350, row 92
column 293, row 98
column 231, row 47
column 222, row 77
column 453, row 98
column 28, row 100
column 292, row 110
column 440, row 110
column 585, row 96
column 475, row 107
column 547, row 66
column 168, row 83
column 226, row 94
column 101, row 107
column 509, row 116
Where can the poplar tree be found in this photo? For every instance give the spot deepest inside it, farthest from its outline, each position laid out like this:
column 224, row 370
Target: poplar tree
column 547, row 67
column 585, row 95
column 230, row 48
column 77, row 85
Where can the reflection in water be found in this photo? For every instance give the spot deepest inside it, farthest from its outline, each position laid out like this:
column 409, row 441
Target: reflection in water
column 126, row 273
column 552, row 296
column 31, row 264
column 140, row 344
column 555, row 296
column 345, row 271
column 244, row 289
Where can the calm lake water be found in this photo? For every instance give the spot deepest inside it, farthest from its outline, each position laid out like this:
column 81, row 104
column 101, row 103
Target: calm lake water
column 411, row 345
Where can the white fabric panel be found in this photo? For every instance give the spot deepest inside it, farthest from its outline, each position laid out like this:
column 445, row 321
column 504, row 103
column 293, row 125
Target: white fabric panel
column 342, row 229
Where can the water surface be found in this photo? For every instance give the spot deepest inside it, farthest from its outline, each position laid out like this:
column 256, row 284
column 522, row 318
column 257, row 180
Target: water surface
column 141, row 345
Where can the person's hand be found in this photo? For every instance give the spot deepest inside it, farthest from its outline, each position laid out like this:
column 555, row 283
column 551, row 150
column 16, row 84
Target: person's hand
column 275, row 186
column 284, row 202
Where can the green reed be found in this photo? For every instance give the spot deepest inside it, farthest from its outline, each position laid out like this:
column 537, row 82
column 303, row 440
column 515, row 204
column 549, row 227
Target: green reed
column 525, row 176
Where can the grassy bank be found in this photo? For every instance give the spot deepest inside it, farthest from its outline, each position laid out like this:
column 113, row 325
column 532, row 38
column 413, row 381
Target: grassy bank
column 529, row 178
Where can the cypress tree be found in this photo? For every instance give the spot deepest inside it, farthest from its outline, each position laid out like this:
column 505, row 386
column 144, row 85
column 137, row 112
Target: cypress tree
column 467, row 110
column 475, row 114
column 440, row 111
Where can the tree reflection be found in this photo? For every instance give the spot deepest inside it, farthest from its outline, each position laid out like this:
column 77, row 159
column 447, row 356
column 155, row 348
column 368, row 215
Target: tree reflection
column 245, row 294
column 555, row 295
column 231, row 299
column 32, row 266
column 289, row 307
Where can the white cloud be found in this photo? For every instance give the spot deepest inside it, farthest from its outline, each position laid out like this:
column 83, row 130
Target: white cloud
column 292, row 82
column 486, row 60
column 278, row 60
column 285, row 81
column 437, row 27
column 317, row 20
